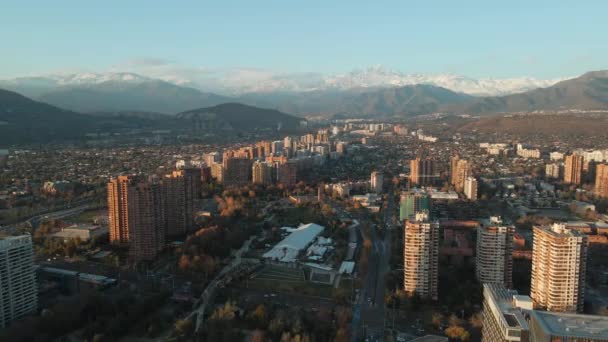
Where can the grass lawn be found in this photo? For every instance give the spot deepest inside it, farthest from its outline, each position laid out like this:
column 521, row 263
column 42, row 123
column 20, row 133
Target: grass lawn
column 287, row 280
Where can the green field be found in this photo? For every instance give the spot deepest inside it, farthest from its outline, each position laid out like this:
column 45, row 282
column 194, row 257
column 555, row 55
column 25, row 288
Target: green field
column 286, row 280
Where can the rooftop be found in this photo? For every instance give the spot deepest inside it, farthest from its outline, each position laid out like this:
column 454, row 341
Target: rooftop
column 572, row 325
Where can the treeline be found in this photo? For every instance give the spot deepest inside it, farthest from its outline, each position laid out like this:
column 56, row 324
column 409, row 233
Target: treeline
column 95, row 317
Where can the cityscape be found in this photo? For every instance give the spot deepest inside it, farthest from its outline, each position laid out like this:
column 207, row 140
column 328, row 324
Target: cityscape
column 161, row 202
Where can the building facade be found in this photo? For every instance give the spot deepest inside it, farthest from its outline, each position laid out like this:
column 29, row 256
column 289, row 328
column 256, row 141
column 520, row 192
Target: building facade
column 503, row 321
column 573, row 171
column 494, row 261
column 376, row 181
column 421, row 256
column 460, row 170
column 470, row 188
column 559, row 259
column 412, row 202
column 136, row 216
column 601, row 180
column 18, row 287
column 422, row 171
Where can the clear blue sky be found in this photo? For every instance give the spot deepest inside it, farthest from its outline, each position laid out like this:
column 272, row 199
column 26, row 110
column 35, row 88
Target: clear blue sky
column 482, row 38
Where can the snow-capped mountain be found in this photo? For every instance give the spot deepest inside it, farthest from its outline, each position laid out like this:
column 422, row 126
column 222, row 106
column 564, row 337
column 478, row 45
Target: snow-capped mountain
column 378, row 77
column 240, row 81
column 79, row 79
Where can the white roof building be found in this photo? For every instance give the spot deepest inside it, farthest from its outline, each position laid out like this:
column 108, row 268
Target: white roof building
column 299, row 238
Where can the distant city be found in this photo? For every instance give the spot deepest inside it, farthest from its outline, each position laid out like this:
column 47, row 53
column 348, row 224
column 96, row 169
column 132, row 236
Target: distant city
column 354, row 229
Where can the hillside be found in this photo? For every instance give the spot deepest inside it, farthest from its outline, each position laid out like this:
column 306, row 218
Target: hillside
column 145, row 96
column 583, row 126
column 26, row 120
column 236, row 116
column 403, row 101
column 587, row 92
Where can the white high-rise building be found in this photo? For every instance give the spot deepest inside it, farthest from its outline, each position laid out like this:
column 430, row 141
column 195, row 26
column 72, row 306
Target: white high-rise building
column 376, row 182
column 18, row 289
column 470, row 188
column 494, row 262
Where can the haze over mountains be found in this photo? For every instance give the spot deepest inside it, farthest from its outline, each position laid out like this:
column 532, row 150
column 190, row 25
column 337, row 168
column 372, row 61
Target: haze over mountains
column 25, row 121
column 122, row 101
column 300, row 93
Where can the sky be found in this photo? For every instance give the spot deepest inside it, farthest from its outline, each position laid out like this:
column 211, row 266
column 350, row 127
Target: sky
column 499, row 39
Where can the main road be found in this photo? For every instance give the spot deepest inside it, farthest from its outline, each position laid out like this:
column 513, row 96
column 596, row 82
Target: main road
column 368, row 311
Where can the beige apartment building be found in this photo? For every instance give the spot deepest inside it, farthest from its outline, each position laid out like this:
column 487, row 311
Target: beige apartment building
column 559, row 257
column 421, row 256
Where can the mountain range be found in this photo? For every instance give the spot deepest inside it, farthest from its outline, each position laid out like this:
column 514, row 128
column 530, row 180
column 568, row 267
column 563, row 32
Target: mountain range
column 25, row 121
column 237, row 82
column 300, row 94
column 111, row 98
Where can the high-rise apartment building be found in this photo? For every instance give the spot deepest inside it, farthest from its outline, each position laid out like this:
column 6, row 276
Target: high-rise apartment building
column 559, row 259
column 287, row 173
column 262, row 173
column 573, row 171
column 18, row 288
column 412, row 202
column 461, row 169
column 179, row 189
column 552, row 170
column 503, row 320
column 470, row 188
column 237, row 171
column 136, row 215
column 421, row 256
column 422, row 171
column 147, row 233
column 118, row 209
column 376, row 181
column 601, row 180
column 217, row 172
column 494, row 261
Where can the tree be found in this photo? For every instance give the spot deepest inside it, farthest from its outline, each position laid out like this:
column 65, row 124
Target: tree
column 183, row 327
column 260, row 315
column 459, row 333
column 437, row 319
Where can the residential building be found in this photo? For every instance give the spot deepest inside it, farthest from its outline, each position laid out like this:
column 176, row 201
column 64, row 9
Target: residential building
column 18, row 288
column 217, row 172
column 573, row 171
column 178, row 192
column 567, row 327
column 559, row 257
column 601, row 180
column 470, row 188
column 136, row 216
column 421, row 256
column 460, row 169
column 422, row 171
column 262, row 173
column 376, row 182
column 412, row 202
column 237, row 171
column 552, row 170
column 503, row 320
column 287, row 173
column 494, row 261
